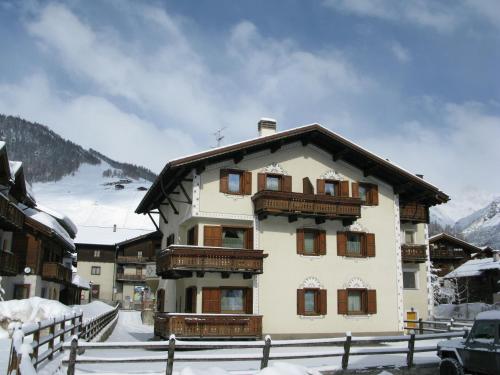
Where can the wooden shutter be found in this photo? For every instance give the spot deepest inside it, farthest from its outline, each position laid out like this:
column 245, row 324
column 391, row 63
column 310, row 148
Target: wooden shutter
column 212, row 235
column 224, row 187
column 247, row 183
column 249, row 239
column 300, row 241
column 374, row 195
column 342, row 301
column 370, row 244
column 371, row 301
column 248, row 301
column 344, row 188
column 355, row 189
column 307, row 187
column 321, row 242
column 320, row 186
column 341, row 244
column 300, row 302
column 211, row 301
column 287, row 183
column 261, row 181
column 322, row 302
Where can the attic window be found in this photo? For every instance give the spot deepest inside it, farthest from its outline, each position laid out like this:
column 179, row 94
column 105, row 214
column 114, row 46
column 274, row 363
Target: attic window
column 234, row 182
column 273, row 182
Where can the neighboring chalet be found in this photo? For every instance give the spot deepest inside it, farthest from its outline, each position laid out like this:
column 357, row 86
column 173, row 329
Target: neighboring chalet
column 120, row 263
column 36, row 242
column 299, row 233
column 448, row 252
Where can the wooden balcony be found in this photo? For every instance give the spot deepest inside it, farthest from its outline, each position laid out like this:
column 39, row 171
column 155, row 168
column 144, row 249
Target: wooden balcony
column 413, row 253
column 8, row 264
column 133, row 277
column 208, row 326
column 414, row 212
column 56, row 272
column 447, row 254
column 120, row 259
column 306, row 205
column 11, row 217
column 179, row 261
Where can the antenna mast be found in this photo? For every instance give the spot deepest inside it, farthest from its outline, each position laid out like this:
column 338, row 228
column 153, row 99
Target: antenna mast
column 218, row 136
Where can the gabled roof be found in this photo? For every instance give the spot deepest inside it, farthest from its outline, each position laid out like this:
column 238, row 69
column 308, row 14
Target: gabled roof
column 474, row 267
column 148, row 236
column 457, row 241
column 407, row 184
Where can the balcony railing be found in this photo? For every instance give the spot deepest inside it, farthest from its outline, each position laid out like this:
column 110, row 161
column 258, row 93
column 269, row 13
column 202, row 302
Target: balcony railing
column 10, row 215
column 447, row 254
column 131, row 259
column 8, row 264
column 180, row 261
column 414, row 212
column 132, row 277
column 208, row 325
column 413, row 253
column 306, row 205
column 57, row 272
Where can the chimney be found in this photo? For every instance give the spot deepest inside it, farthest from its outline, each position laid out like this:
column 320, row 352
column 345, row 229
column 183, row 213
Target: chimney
column 420, row 176
column 267, row 126
column 114, row 227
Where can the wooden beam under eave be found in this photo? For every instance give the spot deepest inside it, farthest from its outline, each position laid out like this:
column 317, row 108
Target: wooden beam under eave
column 172, row 205
column 200, row 168
column 239, row 157
column 188, row 198
column 275, row 147
column 340, row 154
column 369, row 170
column 154, row 222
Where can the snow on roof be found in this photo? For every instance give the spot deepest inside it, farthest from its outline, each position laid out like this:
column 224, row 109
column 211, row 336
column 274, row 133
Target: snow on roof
column 474, row 267
column 64, row 220
column 489, row 315
column 14, row 168
column 80, row 281
column 107, row 235
column 50, row 222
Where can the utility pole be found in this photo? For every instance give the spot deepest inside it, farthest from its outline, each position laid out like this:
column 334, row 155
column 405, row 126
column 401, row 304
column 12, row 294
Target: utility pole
column 218, row 136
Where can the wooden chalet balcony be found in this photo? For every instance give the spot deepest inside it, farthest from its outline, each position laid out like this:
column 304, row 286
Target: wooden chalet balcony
column 133, row 277
column 179, row 261
column 10, row 216
column 447, row 254
column 413, row 253
column 414, row 212
column 57, row 272
column 306, row 205
column 205, row 326
column 8, row 264
column 131, row 260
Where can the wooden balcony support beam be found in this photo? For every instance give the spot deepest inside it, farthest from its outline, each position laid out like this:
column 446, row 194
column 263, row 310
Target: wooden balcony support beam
column 188, row 198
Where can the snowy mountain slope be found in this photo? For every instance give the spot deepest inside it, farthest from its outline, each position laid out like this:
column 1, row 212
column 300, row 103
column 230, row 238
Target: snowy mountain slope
column 439, row 217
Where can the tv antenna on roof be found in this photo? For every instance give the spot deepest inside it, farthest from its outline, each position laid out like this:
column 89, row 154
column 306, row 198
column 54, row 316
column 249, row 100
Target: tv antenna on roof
column 218, row 136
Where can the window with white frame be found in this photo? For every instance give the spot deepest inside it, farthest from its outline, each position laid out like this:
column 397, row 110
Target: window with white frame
column 409, row 237
column 410, row 279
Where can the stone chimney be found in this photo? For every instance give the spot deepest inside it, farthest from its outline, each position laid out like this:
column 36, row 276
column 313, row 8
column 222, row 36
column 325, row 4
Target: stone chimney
column 267, row 126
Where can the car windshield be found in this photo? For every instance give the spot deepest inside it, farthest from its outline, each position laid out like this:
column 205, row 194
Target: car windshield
column 483, row 332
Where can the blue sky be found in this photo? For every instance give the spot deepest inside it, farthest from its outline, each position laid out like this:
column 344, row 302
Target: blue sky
column 415, row 81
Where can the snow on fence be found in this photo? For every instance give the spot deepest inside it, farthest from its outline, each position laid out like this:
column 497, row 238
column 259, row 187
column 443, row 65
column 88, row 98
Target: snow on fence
column 51, row 334
column 449, row 325
column 264, row 345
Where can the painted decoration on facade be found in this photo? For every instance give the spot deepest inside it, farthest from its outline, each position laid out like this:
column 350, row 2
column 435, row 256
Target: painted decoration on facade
column 356, row 283
column 311, row 282
column 332, row 175
column 274, row 168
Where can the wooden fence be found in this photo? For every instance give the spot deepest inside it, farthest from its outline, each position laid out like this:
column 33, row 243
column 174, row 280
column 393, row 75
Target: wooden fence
column 422, row 326
column 51, row 335
column 347, row 343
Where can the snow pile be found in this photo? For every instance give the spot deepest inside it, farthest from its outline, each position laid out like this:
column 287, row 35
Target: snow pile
column 93, row 309
column 462, row 311
column 79, row 281
column 278, row 368
column 63, row 219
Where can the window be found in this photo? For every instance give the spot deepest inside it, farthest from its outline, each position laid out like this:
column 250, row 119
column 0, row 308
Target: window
column 409, row 279
column 363, row 192
column 232, row 301
column 97, row 253
column 354, row 244
column 409, row 237
column 332, row 188
column 95, row 270
column 139, row 254
column 368, row 193
column 311, row 301
column 170, row 239
column 356, row 301
column 232, row 237
column 311, row 242
column 273, row 182
column 483, row 332
column 235, row 181
column 227, row 300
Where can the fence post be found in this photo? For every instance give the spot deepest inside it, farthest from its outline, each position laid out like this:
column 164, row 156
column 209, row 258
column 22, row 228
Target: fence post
column 52, row 330
column 411, row 349
column 170, row 358
column 448, row 327
column 420, row 326
column 36, row 337
column 451, row 323
column 72, row 356
column 62, row 326
column 347, row 349
column 73, row 322
column 265, row 352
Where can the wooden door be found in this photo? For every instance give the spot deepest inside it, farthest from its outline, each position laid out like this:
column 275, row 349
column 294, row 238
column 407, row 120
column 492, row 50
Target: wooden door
column 191, row 300
column 211, row 300
column 95, row 291
column 160, row 300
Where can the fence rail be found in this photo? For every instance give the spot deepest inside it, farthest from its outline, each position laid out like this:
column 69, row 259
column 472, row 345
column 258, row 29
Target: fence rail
column 265, row 346
column 449, row 325
column 52, row 333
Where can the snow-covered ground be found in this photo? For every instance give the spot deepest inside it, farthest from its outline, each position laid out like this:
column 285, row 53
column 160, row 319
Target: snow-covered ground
column 93, row 309
column 462, row 311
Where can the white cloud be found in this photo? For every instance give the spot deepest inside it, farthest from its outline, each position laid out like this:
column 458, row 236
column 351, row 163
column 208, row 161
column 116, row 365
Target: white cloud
column 402, row 54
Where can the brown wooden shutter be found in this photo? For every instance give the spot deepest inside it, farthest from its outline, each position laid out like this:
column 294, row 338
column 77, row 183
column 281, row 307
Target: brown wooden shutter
column 307, row 187
column 344, row 188
column 371, row 301
column 224, row 187
column 300, row 302
column 355, row 189
column 342, row 301
column 300, row 241
column 370, row 244
column 248, row 301
column 249, row 239
column 210, row 301
column 320, row 186
column 341, row 244
column 261, row 181
column 247, row 183
column 374, row 195
column 287, row 183
column 322, row 242
column 322, row 302
column 212, row 235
